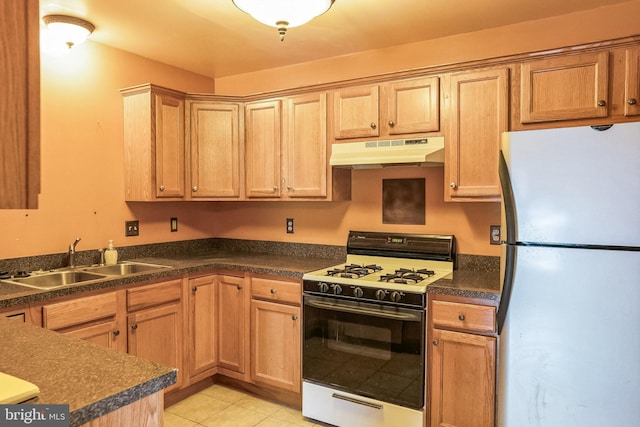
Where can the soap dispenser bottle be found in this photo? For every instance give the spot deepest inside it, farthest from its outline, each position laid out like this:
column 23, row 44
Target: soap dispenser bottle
column 110, row 254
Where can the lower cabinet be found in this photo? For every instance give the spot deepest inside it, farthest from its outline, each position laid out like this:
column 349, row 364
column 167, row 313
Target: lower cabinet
column 203, row 347
column 155, row 325
column 96, row 318
column 275, row 345
column 462, row 368
column 232, row 321
column 275, row 333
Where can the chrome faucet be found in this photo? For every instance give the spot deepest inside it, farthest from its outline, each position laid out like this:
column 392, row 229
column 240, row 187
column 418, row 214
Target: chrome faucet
column 72, row 253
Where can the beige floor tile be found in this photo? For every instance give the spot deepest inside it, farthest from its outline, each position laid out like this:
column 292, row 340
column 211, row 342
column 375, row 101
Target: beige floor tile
column 274, row 422
column 259, row 405
column 173, row 420
column 293, row 416
column 223, row 393
column 198, row 407
column 234, row 416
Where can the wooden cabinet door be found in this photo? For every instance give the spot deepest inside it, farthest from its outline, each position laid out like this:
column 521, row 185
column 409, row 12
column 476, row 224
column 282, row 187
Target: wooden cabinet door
column 169, row 145
column 632, row 82
column 215, row 150
column 262, row 148
column 565, row 88
column 107, row 334
column 275, row 345
column 19, row 104
column 412, row 106
column 355, row 112
column 156, row 334
column 232, row 314
column 203, row 305
column 462, row 379
column 478, row 114
column 305, row 145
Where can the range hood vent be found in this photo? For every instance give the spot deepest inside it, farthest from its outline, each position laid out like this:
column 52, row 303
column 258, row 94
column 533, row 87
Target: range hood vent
column 395, row 152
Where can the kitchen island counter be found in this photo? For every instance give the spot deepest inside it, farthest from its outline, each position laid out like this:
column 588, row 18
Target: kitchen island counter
column 92, row 380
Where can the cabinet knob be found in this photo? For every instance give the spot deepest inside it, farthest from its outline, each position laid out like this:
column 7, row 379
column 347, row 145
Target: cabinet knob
column 273, row 291
column 289, row 188
column 134, row 326
column 162, row 188
column 453, row 185
column 116, row 333
column 373, row 125
column 294, row 317
column 602, row 103
column 461, row 317
column 275, row 188
column 194, row 188
column 632, row 101
column 436, row 342
column 391, row 123
column 194, row 289
column 239, row 287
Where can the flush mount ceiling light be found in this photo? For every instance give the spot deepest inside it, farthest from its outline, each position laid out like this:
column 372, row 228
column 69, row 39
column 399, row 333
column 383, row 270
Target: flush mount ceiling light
column 69, row 29
column 283, row 14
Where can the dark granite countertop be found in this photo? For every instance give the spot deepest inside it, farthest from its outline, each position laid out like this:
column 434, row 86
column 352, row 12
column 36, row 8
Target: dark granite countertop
column 91, row 379
column 468, row 280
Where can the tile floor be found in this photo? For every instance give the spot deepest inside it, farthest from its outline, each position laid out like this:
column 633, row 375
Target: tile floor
column 221, row 406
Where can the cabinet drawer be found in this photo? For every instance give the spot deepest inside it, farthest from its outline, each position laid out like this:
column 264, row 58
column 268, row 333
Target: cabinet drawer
column 479, row 318
column 150, row 295
column 276, row 290
column 79, row 310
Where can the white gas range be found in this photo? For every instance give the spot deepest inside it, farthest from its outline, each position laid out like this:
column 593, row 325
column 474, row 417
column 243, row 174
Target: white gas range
column 364, row 330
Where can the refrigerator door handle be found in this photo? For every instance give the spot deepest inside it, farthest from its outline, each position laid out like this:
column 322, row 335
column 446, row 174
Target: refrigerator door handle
column 509, row 249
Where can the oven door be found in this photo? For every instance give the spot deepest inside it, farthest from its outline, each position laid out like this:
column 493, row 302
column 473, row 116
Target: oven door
column 367, row 349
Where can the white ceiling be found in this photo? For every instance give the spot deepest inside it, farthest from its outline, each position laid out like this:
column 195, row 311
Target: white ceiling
column 215, row 39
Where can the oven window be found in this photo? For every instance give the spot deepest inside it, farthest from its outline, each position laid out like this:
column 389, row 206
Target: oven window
column 365, row 349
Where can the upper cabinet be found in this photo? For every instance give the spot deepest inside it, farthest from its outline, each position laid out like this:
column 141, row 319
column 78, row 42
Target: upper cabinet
column 20, row 104
column 477, row 113
column 286, row 151
column 213, row 138
column 263, row 139
column 305, row 145
column 565, row 88
column 401, row 107
column 632, row 82
column 154, row 143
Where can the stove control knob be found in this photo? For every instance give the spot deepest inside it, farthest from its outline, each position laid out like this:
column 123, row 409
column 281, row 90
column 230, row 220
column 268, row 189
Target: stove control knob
column 396, row 296
column 323, row 287
column 337, row 289
column 380, row 294
column 357, row 292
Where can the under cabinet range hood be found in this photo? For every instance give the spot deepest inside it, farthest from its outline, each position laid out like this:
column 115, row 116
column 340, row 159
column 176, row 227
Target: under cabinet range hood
column 395, row 152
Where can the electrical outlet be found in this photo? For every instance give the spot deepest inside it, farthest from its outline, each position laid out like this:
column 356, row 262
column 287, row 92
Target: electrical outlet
column 290, row 226
column 495, row 237
column 131, row 228
column 174, row 224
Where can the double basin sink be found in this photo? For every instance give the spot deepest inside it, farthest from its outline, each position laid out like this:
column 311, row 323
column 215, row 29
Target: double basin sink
column 57, row 279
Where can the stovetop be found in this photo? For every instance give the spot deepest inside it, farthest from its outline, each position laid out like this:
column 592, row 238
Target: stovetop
column 381, row 272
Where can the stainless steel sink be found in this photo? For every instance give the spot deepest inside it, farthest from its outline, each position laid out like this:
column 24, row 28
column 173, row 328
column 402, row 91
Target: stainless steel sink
column 125, row 268
column 56, row 279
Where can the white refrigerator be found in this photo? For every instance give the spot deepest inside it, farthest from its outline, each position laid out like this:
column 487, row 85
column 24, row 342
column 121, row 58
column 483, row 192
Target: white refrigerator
column 569, row 315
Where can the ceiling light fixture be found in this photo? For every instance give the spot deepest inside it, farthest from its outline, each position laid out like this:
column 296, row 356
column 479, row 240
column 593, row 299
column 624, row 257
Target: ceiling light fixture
column 69, row 29
column 283, row 14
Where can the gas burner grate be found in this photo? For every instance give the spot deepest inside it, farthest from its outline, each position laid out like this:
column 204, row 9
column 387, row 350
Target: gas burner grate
column 406, row 276
column 354, row 271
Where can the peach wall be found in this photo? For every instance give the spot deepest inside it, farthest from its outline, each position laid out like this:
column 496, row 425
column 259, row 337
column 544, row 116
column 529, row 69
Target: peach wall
column 603, row 23
column 329, row 222
column 82, row 184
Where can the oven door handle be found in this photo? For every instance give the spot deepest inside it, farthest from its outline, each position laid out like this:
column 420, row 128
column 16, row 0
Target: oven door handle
column 360, row 310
